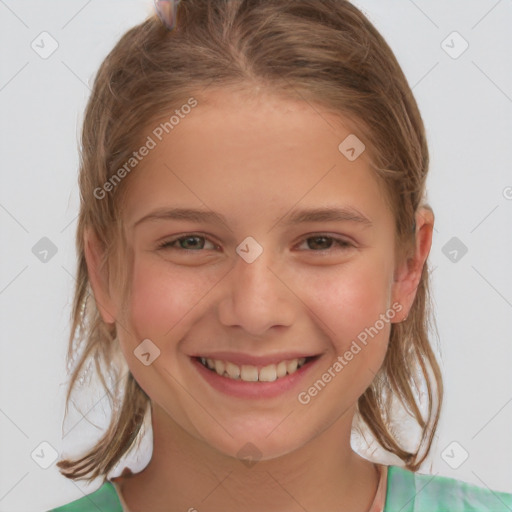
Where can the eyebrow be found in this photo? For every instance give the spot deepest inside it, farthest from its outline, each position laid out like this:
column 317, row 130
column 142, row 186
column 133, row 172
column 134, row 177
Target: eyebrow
column 325, row 214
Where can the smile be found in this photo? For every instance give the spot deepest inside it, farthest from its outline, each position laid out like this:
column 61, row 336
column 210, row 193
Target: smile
column 250, row 373
column 254, row 377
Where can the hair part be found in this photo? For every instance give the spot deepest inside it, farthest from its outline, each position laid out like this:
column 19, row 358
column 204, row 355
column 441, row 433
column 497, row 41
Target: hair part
column 325, row 52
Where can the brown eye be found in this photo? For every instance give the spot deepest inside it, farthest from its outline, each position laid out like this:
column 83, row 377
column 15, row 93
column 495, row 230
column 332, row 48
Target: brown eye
column 324, row 243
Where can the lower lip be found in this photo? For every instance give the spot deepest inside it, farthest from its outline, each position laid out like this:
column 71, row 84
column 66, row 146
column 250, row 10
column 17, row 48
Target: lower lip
column 242, row 389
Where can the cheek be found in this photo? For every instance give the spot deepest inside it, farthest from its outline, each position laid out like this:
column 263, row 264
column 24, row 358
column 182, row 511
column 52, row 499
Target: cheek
column 162, row 297
column 351, row 300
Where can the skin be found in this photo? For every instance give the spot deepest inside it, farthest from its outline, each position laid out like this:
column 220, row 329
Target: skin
column 295, row 295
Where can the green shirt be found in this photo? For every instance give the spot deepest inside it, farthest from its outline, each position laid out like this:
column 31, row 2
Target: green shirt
column 405, row 492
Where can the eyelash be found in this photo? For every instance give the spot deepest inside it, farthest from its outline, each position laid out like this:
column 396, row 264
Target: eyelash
column 167, row 244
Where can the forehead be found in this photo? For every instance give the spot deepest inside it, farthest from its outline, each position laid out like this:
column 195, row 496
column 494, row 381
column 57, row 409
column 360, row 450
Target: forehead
column 251, row 152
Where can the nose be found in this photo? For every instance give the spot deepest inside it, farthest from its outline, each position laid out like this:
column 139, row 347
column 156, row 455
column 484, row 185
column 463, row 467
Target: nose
column 257, row 296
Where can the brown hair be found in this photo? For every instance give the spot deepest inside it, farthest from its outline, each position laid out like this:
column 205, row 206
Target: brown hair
column 322, row 51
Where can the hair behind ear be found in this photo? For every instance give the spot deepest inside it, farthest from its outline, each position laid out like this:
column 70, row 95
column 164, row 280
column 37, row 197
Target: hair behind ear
column 95, row 256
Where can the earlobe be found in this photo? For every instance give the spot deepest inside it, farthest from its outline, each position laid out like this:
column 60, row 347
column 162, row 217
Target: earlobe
column 408, row 277
column 98, row 276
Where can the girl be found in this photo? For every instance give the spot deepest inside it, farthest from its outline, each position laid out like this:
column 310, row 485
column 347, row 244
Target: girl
column 253, row 242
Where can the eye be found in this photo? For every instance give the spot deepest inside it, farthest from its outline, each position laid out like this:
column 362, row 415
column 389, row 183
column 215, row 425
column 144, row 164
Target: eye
column 326, row 242
column 187, row 242
column 195, row 243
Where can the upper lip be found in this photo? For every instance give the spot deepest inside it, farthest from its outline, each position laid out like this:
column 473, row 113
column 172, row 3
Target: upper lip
column 240, row 359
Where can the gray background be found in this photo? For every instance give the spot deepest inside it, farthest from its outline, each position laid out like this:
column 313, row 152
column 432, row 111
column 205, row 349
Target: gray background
column 466, row 103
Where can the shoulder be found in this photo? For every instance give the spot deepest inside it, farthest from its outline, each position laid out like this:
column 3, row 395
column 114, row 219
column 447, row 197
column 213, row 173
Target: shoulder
column 104, row 499
column 414, row 492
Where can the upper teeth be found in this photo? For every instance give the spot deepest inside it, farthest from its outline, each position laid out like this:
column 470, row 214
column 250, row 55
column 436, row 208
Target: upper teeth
column 250, row 373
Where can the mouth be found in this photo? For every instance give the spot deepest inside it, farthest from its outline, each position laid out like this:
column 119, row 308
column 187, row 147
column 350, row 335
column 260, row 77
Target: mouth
column 266, row 378
column 251, row 373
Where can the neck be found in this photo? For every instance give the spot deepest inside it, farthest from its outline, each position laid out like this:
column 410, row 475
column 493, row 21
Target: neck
column 186, row 474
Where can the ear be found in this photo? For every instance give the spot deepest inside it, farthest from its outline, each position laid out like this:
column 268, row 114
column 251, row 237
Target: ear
column 408, row 274
column 98, row 276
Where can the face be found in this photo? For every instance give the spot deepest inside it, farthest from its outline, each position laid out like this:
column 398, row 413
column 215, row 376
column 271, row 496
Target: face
column 290, row 309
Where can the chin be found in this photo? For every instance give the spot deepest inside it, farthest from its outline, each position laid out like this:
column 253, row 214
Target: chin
column 251, row 445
